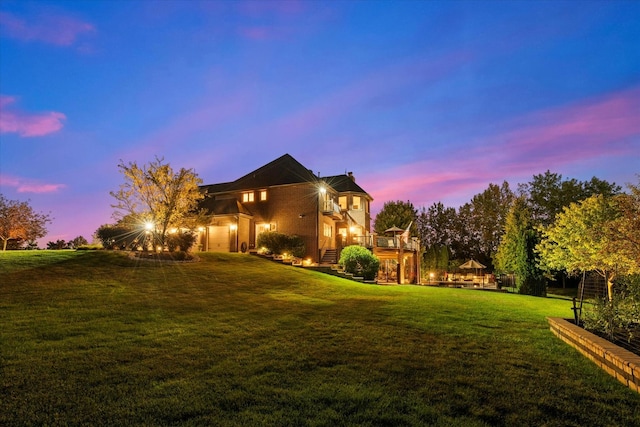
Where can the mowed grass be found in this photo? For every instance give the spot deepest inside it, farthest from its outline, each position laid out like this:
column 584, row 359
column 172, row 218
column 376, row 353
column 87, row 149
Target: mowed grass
column 96, row 338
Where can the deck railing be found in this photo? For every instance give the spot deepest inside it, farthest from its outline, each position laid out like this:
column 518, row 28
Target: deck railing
column 332, row 207
column 394, row 242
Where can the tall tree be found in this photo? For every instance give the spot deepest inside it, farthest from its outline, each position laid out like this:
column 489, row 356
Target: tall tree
column 19, row 222
column 548, row 194
column 155, row 194
column 480, row 223
column 436, row 225
column 579, row 240
column 396, row 214
column 516, row 252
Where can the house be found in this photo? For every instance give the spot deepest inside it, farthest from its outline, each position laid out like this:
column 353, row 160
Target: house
column 284, row 196
column 328, row 213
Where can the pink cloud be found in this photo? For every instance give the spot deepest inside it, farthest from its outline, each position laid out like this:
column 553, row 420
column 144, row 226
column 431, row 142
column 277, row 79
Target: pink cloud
column 591, row 128
column 53, row 29
column 27, row 124
column 552, row 139
column 22, row 185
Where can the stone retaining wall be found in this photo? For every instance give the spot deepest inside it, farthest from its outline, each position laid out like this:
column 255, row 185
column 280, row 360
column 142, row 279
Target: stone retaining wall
column 617, row 361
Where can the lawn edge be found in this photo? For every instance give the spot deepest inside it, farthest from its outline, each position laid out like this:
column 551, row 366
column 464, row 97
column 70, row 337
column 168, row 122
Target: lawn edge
column 616, row 361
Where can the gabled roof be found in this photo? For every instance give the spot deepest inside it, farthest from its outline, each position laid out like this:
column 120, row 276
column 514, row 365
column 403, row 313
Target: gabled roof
column 282, row 171
column 223, row 206
column 344, row 184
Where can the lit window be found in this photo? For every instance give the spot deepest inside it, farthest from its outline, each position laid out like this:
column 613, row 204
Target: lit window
column 248, row 196
column 356, row 206
column 262, row 227
column 342, row 201
column 263, row 195
column 328, row 230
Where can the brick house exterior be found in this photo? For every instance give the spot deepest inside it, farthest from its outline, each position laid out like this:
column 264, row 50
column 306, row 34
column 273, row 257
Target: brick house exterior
column 284, row 196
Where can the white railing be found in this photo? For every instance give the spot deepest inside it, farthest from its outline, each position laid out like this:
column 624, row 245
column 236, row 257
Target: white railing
column 331, row 206
column 394, row 242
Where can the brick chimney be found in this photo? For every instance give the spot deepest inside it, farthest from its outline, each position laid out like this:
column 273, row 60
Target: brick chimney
column 353, row 178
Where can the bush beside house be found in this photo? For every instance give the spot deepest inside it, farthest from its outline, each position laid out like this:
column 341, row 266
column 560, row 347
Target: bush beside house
column 280, row 244
column 359, row 261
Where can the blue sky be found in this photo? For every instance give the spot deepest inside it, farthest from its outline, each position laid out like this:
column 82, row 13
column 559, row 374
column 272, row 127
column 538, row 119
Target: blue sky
column 423, row 100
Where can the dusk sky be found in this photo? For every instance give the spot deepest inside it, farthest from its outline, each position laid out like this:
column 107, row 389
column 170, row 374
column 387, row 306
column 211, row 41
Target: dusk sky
column 423, row 101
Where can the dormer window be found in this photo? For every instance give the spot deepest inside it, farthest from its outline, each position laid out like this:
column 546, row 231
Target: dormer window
column 248, row 196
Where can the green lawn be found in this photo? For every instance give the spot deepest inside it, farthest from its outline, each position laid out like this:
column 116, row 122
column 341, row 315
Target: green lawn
column 95, row 338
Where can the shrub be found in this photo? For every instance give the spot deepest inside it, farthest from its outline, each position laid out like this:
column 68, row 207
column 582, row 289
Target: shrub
column 359, row 261
column 116, row 237
column 279, row 243
column 621, row 313
column 182, row 239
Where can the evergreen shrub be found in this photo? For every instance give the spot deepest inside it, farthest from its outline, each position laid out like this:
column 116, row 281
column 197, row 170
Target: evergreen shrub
column 359, row 261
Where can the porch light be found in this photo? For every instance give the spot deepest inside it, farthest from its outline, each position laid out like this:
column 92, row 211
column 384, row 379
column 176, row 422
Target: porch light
column 233, row 227
column 201, row 229
column 352, row 230
column 322, row 190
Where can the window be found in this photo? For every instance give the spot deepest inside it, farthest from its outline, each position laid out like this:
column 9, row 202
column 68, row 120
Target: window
column 327, row 231
column 263, row 195
column 342, row 201
column 262, row 227
column 248, row 196
column 357, row 203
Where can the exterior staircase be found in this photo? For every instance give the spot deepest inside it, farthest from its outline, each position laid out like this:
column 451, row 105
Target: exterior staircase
column 330, row 257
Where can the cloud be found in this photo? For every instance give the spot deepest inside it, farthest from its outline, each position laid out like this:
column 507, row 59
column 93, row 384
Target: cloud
column 365, row 90
column 603, row 126
column 23, row 185
column 551, row 139
column 53, row 29
column 27, row 124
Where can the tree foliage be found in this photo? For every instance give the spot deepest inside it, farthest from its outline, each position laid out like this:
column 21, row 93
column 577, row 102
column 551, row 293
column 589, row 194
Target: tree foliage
column 548, row 194
column 436, row 225
column 580, row 240
column 473, row 231
column 516, row 252
column 20, row 223
column 155, row 193
column 396, row 214
column 481, row 222
column 359, row 261
column 624, row 231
